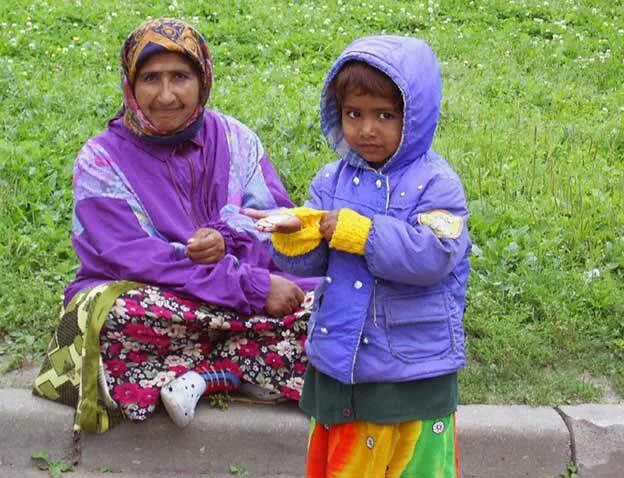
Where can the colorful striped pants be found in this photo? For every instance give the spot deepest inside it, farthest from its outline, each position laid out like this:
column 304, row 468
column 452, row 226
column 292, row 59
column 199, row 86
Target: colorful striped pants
column 416, row 449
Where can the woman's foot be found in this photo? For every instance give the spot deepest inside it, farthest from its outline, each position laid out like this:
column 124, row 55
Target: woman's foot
column 180, row 397
column 258, row 393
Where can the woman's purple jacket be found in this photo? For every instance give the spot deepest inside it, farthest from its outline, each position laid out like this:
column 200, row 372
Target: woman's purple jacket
column 137, row 203
column 394, row 313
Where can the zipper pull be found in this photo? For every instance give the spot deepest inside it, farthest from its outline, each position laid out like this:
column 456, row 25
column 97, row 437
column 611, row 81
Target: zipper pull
column 375, row 303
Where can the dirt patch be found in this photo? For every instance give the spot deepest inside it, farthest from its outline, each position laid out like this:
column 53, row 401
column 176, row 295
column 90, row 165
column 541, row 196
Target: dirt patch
column 22, row 377
column 609, row 395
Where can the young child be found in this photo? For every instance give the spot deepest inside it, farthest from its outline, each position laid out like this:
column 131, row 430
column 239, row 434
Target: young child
column 386, row 226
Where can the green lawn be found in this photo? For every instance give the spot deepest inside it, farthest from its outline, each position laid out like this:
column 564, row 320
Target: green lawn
column 533, row 120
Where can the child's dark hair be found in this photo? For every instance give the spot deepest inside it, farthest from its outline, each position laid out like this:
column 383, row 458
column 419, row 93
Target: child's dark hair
column 360, row 78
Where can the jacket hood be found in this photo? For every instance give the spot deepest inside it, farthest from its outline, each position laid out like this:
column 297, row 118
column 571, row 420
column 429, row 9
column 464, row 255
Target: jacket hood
column 414, row 68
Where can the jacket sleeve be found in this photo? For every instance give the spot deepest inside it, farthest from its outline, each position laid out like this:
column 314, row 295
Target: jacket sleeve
column 415, row 251
column 253, row 183
column 243, row 240
column 312, row 263
column 115, row 239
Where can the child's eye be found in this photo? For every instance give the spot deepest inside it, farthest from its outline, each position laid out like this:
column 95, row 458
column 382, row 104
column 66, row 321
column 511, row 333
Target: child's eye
column 353, row 114
column 386, row 116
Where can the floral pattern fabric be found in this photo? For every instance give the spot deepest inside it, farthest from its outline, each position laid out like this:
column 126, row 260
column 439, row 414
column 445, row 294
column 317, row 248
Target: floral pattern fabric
column 152, row 336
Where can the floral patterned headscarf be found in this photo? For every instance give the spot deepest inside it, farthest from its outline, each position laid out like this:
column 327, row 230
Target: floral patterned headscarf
column 156, row 36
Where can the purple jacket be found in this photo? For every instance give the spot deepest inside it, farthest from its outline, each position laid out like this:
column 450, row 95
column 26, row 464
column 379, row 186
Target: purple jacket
column 395, row 313
column 137, row 204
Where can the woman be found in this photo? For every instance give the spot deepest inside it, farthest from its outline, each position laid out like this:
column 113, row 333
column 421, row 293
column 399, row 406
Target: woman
column 173, row 277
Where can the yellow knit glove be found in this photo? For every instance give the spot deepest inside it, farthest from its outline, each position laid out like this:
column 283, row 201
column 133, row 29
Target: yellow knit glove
column 351, row 232
column 304, row 240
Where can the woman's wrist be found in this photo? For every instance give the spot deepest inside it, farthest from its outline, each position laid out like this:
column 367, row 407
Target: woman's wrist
column 227, row 233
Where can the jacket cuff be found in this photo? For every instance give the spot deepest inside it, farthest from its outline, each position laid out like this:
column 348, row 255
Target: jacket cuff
column 256, row 286
column 303, row 241
column 226, row 232
column 351, row 232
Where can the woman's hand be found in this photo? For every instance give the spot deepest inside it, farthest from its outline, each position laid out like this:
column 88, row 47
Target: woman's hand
column 328, row 224
column 284, row 297
column 274, row 222
column 207, row 246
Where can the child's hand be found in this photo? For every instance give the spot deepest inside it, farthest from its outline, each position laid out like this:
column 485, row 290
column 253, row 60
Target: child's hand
column 328, row 224
column 207, row 246
column 271, row 222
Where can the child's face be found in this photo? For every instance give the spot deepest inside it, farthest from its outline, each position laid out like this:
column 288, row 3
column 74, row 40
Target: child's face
column 372, row 126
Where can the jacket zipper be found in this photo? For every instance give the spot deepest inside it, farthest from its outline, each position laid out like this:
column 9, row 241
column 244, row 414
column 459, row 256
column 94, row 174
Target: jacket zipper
column 193, row 187
column 357, row 347
column 375, row 303
column 192, row 214
column 377, row 281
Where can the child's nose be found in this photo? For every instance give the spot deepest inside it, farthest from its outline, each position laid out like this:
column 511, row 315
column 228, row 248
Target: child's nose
column 368, row 127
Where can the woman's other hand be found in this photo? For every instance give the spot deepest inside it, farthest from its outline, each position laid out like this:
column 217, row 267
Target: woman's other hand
column 274, row 222
column 207, row 246
column 328, row 224
column 284, row 297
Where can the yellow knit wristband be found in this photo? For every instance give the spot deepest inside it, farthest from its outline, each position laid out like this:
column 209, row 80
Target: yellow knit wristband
column 304, row 240
column 351, row 232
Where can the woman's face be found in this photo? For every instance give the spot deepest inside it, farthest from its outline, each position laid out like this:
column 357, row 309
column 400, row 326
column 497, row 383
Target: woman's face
column 167, row 90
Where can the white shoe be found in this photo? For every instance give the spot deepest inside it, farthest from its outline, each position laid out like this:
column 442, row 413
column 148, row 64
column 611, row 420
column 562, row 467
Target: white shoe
column 180, row 397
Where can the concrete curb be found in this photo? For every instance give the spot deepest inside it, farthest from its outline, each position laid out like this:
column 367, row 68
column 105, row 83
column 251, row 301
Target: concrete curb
column 518, row 441
column 598, row 433
column 495, row 441
column 270, row 441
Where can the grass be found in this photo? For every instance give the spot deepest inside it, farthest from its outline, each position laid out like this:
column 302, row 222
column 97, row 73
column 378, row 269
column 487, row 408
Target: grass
column 532, row 120
column 55, row 468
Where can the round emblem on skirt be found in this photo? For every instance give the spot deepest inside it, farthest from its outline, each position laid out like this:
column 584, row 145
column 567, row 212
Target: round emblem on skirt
column 438, row 427
column 370, row 442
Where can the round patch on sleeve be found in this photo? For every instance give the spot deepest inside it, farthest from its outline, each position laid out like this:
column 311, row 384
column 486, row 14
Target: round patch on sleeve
column 442, row 223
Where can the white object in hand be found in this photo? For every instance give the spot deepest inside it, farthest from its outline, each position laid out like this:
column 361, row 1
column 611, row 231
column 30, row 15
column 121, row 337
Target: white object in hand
column 269, row 223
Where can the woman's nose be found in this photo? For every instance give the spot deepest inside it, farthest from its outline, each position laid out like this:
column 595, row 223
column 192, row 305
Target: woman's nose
column 166, row 94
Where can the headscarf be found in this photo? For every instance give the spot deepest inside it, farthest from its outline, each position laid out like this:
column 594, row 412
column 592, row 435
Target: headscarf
column 156, row 36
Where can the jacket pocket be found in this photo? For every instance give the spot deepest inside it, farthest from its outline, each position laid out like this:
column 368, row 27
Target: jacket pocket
column 311, row 326
column 319, row 292
column 418, row 325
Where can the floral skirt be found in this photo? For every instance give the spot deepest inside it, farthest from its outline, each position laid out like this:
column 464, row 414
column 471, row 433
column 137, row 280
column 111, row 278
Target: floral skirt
column 117, row 344
column 152, row 336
